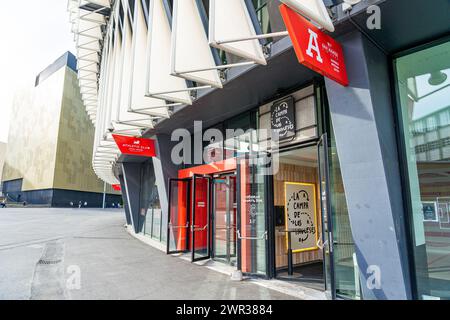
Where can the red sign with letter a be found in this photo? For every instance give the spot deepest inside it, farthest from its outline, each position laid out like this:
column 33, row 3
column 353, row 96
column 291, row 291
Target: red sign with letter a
column 315, row 49
column 135, row 146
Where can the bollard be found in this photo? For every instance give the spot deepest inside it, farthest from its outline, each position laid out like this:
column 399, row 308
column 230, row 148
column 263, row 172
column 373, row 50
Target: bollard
column 290, row 262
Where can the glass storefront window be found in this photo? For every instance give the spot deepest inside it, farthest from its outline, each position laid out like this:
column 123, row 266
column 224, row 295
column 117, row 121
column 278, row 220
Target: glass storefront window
column 231, row 138
column 153, row 224
column 269, row 17
column 263, row 14
column 423, row 84
column 346, row 274
column 252, row 231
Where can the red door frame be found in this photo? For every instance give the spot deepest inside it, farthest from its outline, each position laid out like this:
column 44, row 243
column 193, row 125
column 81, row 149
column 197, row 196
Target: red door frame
column 210, row 168
column 223, row 166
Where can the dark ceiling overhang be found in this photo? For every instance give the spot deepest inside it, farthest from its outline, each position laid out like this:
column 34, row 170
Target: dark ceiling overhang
column 404, row 24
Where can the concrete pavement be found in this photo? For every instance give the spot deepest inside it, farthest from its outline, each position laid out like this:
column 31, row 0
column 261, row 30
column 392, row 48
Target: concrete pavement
column 88, row 254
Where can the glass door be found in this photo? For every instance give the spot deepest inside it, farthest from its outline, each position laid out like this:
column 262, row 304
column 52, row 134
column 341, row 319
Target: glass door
column 200, row 206
column 232, row 224
column 224, row 217
column 327, row 234
column 252, row 232
column 178, row 217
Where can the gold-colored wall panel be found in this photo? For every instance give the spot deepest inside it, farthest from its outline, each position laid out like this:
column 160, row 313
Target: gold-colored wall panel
column 51, row 138
column 73, row 169
column 33, row 134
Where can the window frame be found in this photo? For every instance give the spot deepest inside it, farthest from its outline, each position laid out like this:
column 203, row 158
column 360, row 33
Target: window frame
column 403, row 161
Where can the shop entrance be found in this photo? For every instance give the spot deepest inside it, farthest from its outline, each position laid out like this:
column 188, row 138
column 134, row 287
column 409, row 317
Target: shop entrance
column 302, row 249
column 203, row 213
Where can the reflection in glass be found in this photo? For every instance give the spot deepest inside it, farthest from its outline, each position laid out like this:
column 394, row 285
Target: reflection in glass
column 224, row 210
column 346, row 274
column 253, row 225
column 424, row 91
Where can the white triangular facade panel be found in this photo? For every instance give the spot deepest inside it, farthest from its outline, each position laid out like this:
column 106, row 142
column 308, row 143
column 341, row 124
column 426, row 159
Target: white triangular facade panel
column 124, row 115
column 138, row 100
column 312, row 9
column 89, row 29
column 117, row 82
column 159, row 78
column 190, row 46
column 230, row 19
column 102, row 3
column 112, row 83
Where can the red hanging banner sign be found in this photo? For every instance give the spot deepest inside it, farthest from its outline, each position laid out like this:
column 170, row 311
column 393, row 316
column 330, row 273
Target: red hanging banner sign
column 117, row 187
column 315, row 49
column 135, row 146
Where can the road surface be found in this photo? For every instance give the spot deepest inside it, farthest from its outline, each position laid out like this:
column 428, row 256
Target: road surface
column 88, row 254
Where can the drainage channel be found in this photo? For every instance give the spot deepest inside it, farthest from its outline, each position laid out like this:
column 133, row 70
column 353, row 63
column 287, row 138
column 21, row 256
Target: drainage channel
column 48, row 280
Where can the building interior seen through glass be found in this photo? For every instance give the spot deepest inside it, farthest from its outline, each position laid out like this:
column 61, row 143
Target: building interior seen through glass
column 298, row 168
column 346, row 271
column 423, row 80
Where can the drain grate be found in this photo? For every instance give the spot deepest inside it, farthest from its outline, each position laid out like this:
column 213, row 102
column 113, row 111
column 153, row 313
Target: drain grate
column 49, row 261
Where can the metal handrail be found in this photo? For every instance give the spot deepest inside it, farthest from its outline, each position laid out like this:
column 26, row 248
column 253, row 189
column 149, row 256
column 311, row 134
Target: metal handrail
column 197, row 228
column 179, row 227
column 222, row 227
column 225, row 227
column 288, row 231
column 262, row 237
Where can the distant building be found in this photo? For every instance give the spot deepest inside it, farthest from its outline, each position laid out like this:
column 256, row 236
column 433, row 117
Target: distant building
column 48, row 161
column 2, row 157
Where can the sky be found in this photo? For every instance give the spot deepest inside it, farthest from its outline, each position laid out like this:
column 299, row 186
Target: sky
column 34, row 33
column 434, row 102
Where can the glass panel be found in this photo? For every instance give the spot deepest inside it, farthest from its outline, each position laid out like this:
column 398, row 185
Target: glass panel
column 424, row 93
column 297, row 175
column 269, row 17
column 253, row 225
column 220, row 219
column 156, row 215
column 200, row 219
column 225, row 219
column 178, row 216
column 148, row 222
column 232, row 225
column 324, row 198
column 157, row 223
column 346, row 270
column 148, row 192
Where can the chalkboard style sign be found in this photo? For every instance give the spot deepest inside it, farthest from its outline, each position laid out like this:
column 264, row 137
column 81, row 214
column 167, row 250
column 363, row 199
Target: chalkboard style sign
column 282, row 119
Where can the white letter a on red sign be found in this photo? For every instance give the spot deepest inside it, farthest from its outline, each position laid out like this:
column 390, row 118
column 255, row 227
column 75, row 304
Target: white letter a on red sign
column 313, row 46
